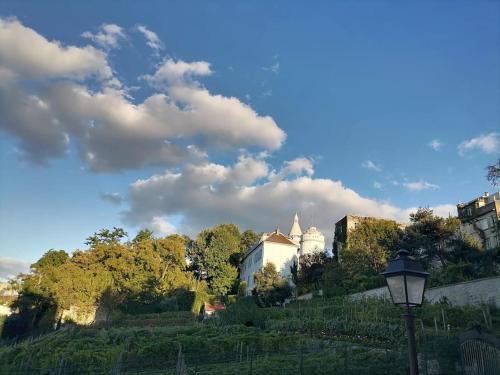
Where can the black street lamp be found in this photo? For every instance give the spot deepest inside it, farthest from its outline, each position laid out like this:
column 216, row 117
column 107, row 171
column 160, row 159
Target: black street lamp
column 406, row 282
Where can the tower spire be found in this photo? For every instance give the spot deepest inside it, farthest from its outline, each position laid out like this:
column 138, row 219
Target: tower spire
column 295, row 231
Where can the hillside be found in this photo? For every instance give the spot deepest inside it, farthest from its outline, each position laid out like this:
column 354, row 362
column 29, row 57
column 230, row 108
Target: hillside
column 321, row 336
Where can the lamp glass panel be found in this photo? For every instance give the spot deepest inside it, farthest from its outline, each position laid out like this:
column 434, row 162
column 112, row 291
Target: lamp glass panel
column 396, row 285
column 415, row 285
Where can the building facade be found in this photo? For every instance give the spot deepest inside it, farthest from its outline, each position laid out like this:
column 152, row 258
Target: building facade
column 281, row 250
column 344, row 227
column 341, row 232
column 312, row 241
column 480, row 219
column 273, row 248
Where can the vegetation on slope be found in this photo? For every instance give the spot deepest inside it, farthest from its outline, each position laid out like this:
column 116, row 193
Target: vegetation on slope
column 322, row 336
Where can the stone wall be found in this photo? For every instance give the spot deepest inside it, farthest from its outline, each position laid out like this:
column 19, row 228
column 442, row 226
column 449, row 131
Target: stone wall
column 467, row 293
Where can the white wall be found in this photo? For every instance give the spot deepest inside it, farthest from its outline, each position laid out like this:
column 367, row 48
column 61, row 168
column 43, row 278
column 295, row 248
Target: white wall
column 467, row 293
column 249, row 267
column 281, row 255
column 311, row 246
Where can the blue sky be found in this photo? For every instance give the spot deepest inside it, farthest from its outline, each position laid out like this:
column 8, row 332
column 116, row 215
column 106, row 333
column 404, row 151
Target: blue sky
column 328, row 108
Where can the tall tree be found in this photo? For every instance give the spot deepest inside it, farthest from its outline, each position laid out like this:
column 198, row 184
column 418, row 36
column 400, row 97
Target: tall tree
column 213, row 256
column 247, row 240
column 143, row 235
column 310, row 269
column 430, row 237
column 106, row 236
column 270, row 287
column 370, row 245
column 51, row 258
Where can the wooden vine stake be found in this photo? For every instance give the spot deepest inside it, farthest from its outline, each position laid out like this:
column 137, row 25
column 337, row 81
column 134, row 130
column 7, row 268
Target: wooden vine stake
column 181, row 368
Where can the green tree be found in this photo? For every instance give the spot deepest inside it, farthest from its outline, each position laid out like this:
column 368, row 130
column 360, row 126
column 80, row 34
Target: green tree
column 334, row 280
column 242, row 289
column 308, row 273
column 106, row 236
column 143, row 235
column 51, row 258
column 430, row 237
column 214, row 256
column 172, row 251
column 270, row 287
column 248, row 239
column 370, row 245
column 135, row 276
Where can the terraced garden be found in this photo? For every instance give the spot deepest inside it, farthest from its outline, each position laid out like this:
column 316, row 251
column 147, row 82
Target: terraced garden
column 321, row 336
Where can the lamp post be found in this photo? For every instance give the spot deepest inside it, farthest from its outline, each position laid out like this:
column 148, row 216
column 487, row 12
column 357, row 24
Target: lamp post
column 406, row 282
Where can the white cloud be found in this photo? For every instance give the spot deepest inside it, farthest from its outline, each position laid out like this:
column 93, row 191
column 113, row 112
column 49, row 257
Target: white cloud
column 10, row 268
column 443, row 210
column 171, row 71
column 111, row 131
column 487, row 143
column 247, row 170
column 377, row 185
column 108, row 36
column 114, row 198
column 152, row 40
column 435, row 144
column 297, row 167
column 161, row 227
column 207, row 194
column 419, row 186
column 25, row 53
column 368, row 164
column 274, row 67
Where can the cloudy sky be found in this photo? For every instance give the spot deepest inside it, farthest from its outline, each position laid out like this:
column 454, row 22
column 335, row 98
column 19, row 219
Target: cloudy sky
column 177, row 115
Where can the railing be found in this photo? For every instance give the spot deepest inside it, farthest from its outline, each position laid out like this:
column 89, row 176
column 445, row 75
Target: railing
column 480, row 353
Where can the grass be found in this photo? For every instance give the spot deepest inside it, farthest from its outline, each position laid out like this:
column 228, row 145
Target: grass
column 321, row 336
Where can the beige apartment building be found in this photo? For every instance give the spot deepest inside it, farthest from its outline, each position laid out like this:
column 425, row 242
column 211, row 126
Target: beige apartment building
column 480, row 218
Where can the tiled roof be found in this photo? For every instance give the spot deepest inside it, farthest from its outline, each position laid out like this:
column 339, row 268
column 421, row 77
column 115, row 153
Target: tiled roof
column 209, row 307
column 279, row 238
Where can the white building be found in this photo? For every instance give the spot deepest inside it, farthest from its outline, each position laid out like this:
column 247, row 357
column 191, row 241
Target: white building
column 312, row 241
column 273, row 247
column 295, row 232
column 281, row 250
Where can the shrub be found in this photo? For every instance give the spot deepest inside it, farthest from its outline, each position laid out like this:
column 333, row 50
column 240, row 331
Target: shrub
column 242, row 289
column 243, row 311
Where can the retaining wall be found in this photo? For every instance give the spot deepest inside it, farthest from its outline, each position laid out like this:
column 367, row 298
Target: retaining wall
column 473, row 292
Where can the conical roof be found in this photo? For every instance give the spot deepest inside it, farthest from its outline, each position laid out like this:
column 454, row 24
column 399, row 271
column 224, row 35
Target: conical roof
column 295, row 230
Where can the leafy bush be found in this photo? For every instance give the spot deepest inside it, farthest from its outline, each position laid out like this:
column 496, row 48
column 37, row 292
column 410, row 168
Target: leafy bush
column 243, row 311
column 270, row 288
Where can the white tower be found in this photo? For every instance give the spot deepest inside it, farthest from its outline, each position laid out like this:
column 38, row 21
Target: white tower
column 312, row 241
column 295, row 232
